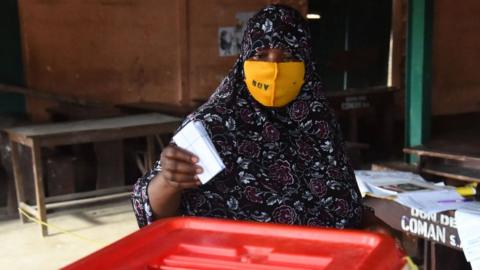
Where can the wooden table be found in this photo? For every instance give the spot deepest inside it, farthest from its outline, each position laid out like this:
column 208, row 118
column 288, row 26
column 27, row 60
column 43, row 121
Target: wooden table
column 68, row 133
column 441, row 244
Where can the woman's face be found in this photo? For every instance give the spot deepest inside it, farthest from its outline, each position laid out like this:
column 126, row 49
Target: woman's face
column 273, row 55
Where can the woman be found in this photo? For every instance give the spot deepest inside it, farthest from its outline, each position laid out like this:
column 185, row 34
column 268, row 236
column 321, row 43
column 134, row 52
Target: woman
column 281, row 146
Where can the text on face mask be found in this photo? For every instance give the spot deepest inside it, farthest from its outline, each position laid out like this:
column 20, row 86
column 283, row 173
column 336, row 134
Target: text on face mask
column 260, row 85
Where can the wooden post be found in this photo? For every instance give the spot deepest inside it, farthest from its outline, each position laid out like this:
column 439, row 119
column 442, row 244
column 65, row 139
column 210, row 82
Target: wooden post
column 398, row 43
column 18, row 177
column 419, row 73
column 433, row 255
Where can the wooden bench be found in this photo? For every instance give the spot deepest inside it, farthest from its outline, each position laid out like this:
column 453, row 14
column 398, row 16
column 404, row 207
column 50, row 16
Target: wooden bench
column 68, row 133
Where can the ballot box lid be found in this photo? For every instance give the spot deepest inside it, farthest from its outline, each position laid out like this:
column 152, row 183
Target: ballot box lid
column 203, row 243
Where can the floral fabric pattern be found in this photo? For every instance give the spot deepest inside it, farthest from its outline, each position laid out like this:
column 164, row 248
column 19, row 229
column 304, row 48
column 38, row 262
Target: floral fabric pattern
column 284, row 165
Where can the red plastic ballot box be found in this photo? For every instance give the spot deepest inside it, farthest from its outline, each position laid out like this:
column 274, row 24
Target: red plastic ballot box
column 203, row 243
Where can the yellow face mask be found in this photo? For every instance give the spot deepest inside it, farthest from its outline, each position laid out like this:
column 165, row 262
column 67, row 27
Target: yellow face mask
column 274, row 84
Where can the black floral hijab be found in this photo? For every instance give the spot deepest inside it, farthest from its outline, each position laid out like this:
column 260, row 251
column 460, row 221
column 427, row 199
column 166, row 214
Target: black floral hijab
column 284, row 165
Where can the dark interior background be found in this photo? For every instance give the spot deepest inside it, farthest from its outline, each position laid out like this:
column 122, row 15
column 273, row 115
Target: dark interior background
column 366, row 24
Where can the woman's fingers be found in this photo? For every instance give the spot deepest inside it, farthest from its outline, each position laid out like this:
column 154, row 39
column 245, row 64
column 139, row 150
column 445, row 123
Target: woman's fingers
column 179, row 180
column 181, row 167
column 177, row 153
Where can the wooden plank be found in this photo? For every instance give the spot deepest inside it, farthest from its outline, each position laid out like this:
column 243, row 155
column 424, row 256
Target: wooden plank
column 453, row 172
column 39, row 190
column 87, row 200
column 106, row 124
column 87, row 194
column 107, row 135
column 437, row 153
column 29, row 209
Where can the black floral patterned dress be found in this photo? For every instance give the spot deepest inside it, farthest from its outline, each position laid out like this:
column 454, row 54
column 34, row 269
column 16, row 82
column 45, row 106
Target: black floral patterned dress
column 284, row 165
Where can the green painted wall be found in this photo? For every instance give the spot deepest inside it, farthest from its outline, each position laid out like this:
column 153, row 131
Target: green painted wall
column 419, row 73
column 10, row 57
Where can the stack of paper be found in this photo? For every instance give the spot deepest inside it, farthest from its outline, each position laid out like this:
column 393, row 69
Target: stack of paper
column 433, row 201
column 468, row 223
column 194, row 138
column 390, row 183
column 410, row 189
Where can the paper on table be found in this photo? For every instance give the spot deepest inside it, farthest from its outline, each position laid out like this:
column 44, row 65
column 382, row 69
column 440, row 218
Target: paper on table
column 468, row 222
column 472, row 207
column 432, row 201
column 194, row 138
column 388, row 183
column 475, row 264
column 383, row 176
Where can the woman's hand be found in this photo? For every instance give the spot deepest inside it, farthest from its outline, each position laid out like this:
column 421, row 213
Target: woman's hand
column 179, row 168
column 179, row 172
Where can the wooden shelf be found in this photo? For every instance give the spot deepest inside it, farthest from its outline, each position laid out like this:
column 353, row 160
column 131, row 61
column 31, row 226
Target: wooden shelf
column 437, row 158
column 442, row 153
column 453, row 172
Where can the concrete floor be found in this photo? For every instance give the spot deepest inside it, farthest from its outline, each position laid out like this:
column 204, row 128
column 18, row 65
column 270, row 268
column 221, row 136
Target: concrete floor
column 24, row 248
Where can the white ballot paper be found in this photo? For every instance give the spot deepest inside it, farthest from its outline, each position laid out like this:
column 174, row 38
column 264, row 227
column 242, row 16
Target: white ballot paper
column 194, row 138
column 433, row 201
column 468, row 223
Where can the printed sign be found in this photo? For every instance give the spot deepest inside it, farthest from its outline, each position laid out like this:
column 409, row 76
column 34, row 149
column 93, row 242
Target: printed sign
column 358, row 102
column 437, row 227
